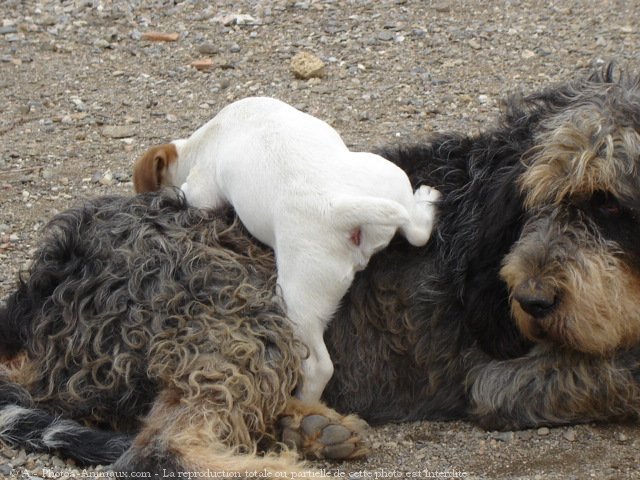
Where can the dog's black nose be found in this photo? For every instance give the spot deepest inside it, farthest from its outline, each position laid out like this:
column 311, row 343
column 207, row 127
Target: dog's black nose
column 535, row 299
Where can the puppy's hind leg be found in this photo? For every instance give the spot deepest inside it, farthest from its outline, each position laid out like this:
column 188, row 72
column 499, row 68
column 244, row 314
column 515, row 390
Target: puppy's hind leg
column 418, row 229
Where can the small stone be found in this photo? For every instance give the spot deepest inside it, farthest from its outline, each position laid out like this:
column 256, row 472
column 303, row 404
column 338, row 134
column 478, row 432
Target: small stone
column 483, row 99
column 118, row 131
column 160, row 36
column 171, row 118
column 122, row 177
column 543, row 431
column 203, row 64
column 106, row 179
column 305, row 65
column 101, row 43
column 621, row 437
column 47, row 174
column 14, row 238
column 8, row 29
column 385, row 36
column 569, row 435
column 6, row 470
column 208, row 49
column 234, row 48
column 235, row 19
column 473, row 43
column 57, row 462
column 95, row 178
column 527, row 54
column 506, row 437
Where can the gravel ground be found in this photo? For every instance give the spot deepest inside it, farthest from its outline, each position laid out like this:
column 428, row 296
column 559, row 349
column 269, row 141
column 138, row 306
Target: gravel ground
column 84, row 92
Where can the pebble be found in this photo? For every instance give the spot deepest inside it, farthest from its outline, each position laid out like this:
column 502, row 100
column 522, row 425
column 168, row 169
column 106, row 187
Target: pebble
column 8, row 29
column 506, row 437
column 118, row 131
column 569, row 435
column 208, row 49
column 6, row 470
column 543, row 431
column 20, row 458
column 306, row 65
column 101, row 43
column 202, row 64
column 106, row 179
column 235, row 19
column 47, row 174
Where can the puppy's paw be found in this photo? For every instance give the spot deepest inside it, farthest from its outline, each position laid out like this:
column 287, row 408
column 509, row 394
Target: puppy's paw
column 318, row 432
column 426, row 194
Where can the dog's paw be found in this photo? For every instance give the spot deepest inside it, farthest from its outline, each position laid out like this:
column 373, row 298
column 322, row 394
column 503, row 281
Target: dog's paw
column 318, row 432
column 425, row 194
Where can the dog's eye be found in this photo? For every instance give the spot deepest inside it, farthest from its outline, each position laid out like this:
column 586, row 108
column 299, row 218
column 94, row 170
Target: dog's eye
column 606, row 204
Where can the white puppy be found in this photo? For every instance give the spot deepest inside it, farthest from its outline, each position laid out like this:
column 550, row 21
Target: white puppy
column 297, row 188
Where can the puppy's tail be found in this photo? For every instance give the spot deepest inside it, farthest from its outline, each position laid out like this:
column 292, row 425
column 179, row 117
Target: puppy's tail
column 36, row 430
column 351, row 211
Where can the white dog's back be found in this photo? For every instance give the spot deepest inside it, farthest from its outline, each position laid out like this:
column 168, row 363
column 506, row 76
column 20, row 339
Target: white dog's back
column 277, row 145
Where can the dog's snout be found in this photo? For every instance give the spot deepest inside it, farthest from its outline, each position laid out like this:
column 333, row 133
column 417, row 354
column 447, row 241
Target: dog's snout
column 535, row 298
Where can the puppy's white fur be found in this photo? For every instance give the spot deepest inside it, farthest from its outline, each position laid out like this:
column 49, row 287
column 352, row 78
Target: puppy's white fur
column 297, row 188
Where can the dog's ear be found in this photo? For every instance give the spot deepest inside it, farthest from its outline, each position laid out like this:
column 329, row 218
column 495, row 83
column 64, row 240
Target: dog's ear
column 151, row 171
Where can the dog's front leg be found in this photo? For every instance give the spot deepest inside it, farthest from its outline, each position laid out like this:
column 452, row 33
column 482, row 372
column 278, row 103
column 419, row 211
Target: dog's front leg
column 551, row 386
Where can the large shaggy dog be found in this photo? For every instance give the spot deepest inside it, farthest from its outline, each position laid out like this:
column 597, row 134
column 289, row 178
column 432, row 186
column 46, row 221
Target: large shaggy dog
column 145, row 317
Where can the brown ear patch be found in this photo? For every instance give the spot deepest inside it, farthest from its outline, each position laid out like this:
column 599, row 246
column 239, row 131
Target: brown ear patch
column 151, row 171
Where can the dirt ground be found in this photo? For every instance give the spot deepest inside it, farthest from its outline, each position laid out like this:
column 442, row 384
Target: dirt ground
column 84, row 93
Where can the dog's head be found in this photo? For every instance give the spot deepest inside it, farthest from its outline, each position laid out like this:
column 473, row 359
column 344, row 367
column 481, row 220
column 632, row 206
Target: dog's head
column 574, row 274
column 152, row 170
